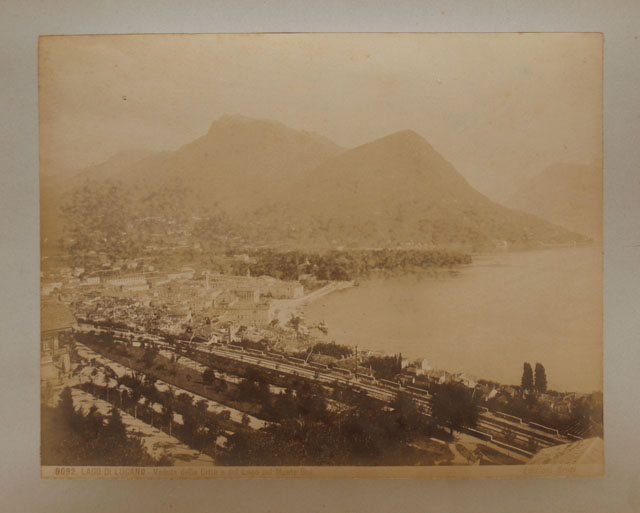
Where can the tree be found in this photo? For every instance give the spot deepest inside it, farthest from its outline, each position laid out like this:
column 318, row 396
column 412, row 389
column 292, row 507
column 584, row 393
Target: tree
column 168, row 406
column 106, row 338
column 406, row 420
column 208, row 377
column 386, row 367
column 149, row 356
column 541, row 378
column 115, row 429
column 167, row 416
column 527, row 377
column 136, row 386
column 87, row 441
column 452, row 406
column 66, row 405
column 211, row 432
column 94, row 422
column 295, row 322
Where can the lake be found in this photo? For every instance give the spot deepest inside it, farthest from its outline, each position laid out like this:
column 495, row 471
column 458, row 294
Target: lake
column 485, row 319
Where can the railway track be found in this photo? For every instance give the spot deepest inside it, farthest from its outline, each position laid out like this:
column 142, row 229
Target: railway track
column 489, row 426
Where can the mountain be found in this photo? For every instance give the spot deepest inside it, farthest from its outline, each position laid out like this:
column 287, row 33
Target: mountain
column 569, row 195
column 113, row 166
column 399, row 189
column 260, row 182
column 57, row 188
column 239, row 164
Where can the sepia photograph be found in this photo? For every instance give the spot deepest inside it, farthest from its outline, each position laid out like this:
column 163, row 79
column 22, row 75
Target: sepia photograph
column 321, row 255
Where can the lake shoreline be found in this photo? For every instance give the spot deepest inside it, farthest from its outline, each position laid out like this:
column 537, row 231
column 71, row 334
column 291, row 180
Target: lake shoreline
column 357, row 316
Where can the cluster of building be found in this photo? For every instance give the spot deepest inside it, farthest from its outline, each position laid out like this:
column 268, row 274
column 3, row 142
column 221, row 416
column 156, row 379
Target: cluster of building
column 247, row 300
column 265, row 285
column 171, row 300
column 242, row 305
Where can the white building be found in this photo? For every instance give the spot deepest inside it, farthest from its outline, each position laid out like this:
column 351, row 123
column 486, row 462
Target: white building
column 186, row 273
column 127, row 281
column 92, row 280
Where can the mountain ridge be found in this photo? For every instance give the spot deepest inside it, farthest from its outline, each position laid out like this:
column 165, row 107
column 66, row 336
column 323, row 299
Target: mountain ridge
column 272, row 183
column 397, row 189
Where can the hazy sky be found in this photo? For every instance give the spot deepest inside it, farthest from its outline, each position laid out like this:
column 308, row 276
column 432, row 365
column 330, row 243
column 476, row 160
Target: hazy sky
column 499, row 107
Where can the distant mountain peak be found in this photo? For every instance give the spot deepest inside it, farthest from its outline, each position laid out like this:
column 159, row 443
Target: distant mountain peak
column 403, row 153
column 567, row 194
column 239, row 120
column 407, row 134
column 403, row 140
column 244, row 129
column 234, row 118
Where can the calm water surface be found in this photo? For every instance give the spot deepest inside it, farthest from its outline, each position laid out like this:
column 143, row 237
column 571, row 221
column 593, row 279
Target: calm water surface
column 486, row 320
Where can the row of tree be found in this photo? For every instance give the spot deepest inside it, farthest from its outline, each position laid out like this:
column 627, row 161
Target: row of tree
column 310, row 434
column 198, row 427
column 386, row 367
column 70, row 437
column 365, row 432
column 332, row 349
column 344, row 265
column 531, row 382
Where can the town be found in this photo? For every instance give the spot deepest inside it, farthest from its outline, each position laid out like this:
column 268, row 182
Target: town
column 196, row 365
